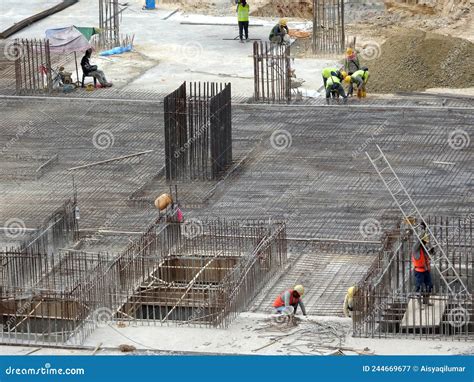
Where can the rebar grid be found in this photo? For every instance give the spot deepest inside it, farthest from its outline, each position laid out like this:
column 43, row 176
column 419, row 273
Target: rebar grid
column 328, row 26
column 198, row 131
column 386, row 304
column 272, row 72
column 169, row 275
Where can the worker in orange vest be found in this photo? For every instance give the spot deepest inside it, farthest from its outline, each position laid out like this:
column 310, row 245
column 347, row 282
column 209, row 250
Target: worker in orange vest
column 290, row 297
column 421, row 264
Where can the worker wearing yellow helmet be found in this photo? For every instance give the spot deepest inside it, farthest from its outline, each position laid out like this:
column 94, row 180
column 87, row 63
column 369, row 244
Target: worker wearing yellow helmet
column 351, row 61
column 279, row 31
column 360, row 77
column 290, row 297
column 348, row 306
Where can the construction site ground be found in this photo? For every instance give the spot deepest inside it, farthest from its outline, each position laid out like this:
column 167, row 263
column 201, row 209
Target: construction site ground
column 251, row 334
column 304, row 162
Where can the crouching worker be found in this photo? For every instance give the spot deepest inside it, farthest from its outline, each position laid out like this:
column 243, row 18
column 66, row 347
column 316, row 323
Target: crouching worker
column 291, row 297
column 334, row 88
column 360, row 77
column 348, row 306
column 279, row 31
column 92, row 70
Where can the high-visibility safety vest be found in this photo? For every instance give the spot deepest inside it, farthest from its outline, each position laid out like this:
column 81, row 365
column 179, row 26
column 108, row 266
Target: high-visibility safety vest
column 332, row 80
column 326, row 72
column 243, row 12
column 279, row 301
column 423, row 263
column 364, row 74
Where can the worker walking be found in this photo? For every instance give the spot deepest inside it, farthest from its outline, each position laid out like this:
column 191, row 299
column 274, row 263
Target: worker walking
column 348, row 306
column 351, row 61
column 334, row 88
column 279, row 31
column 290, row 297
column 359, row 77
column 243, row 18
column 422, row 268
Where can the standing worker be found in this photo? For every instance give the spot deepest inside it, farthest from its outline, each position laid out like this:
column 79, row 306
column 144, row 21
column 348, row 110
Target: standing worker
column 290, row 297
column 421, row 264
column 351, row 62
column 360, row 77
column 279, row 31
column 334, row 87
column 243, row 18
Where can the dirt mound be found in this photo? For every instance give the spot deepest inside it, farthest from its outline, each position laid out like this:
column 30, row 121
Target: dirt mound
column 284, row 8
column 414, row 61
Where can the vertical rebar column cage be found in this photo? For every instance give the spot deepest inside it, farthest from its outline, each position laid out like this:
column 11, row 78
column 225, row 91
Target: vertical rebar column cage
column 198, row 131
column 328, row 26
column 33, row 72
column 272, row 72
column 109, row 23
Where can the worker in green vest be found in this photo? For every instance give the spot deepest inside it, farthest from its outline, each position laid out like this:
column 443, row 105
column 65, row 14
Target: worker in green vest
column 328, row 72
column 243, row 17
column 359, row 77
column 334, row 88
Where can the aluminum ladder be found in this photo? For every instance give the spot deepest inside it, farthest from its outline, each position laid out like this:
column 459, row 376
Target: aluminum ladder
column 409, row 210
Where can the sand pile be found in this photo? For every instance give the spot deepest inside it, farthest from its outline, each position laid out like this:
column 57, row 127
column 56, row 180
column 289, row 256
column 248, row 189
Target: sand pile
column 285, row 8
column 414, row 61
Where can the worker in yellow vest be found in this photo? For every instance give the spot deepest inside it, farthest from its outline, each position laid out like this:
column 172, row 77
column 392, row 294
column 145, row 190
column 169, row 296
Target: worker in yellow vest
column 359, row 77
column 243, row 18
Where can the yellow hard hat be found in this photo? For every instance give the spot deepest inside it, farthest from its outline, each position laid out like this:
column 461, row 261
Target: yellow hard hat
column 299, row 289
column 426, row 238
column 351, row 291
column 347, row 79
column 343, row 74
column 349, row 51
column 283, row 22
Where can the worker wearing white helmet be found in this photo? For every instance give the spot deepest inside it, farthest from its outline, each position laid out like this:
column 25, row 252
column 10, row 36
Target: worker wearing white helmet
column 290, row 297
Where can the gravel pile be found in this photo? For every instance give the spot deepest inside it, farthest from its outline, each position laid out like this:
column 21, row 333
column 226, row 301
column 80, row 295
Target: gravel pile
column 414, row 61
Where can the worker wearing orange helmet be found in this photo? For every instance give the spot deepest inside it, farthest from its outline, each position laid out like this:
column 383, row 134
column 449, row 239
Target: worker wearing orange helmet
column 351, row 61
column 290, row 297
